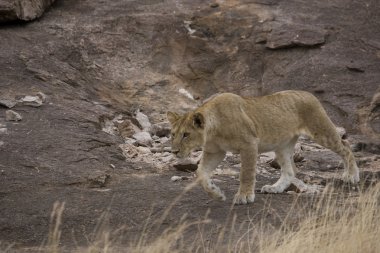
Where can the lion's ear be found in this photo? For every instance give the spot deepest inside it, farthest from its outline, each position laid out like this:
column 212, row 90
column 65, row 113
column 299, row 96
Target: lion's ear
column 172, row 117
column 198, row 120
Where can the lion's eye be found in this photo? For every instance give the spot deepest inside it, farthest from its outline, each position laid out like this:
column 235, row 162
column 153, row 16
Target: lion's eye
column 173, row 135
column 185, row 135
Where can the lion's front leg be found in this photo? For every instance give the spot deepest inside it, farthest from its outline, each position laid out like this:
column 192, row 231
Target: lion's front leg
column 208, row 163
column 246, row 193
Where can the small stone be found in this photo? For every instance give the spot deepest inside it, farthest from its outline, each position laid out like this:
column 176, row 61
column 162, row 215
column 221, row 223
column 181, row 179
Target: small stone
column 34, row 101
column 98, row 180
column 161, row 129
column 130, row 141
column 178, row 178
column 188, row 167
column 11, row 115
column 144, row 150
column 126, row 128
column 1, row 143
column 9, row 103
column 143, row 139
column 42, row 96
column 3, row 130
column 175, row 178
column 143, row 120
column 166, row 159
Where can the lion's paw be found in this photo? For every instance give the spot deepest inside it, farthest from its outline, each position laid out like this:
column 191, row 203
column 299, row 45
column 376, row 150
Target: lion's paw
column 271, row 189
column 242, row 199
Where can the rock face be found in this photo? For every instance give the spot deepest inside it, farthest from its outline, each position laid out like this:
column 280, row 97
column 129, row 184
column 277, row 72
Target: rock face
column 285, row 36
column 99, row 62
column 26, row 10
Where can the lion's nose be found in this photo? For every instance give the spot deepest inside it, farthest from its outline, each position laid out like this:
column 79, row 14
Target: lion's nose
column 175, row 152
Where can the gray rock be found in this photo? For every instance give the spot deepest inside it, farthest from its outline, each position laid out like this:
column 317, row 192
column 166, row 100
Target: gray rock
column 3, row 130
column 22, row 9
column 127, row 129
column 11, row 115
column 9, row 103
column 161, row 129
column 178, row 178
column 42, row 96
column 98, row 179
column 285, row 36
column 143, row 120
column 34, row 101
column 143, row 138
column 186, row 165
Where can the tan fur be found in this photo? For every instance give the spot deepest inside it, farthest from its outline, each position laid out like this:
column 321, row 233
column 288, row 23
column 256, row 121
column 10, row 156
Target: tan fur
column 249, row 126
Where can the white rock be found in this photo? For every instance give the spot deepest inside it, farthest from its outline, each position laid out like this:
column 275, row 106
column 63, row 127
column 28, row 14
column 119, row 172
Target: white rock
column 144, row 150
column 166, row 159
column 186, row 93
column 3, row 130
column 143, row 138
column 130, row 141
column 178, row 178
column 143, row 121
column 42, row 96
column 11, row 115
column 187, row 26
column 34, row 101
column 175, row 178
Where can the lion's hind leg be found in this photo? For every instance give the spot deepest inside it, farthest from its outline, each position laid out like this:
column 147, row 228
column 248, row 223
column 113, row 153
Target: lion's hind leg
column 208, row 163
column 324, row 133
column 342, row 148
column 284, row 157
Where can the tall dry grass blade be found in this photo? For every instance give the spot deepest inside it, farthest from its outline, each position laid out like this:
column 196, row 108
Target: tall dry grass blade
column 55, row 227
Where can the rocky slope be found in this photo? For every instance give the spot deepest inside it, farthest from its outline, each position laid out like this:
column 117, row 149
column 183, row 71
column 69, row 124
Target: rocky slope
column 81, row 76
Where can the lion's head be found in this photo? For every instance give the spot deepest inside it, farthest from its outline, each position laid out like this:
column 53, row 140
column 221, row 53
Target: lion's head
column 186, row 133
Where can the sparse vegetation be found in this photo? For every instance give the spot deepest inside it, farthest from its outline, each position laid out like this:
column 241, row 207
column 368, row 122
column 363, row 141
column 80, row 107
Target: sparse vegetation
column 336, row 223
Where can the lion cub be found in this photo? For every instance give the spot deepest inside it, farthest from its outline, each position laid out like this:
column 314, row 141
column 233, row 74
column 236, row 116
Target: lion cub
column 249, row 126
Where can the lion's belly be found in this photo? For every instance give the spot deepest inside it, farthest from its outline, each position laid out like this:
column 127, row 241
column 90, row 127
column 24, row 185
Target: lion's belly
column 272, row 145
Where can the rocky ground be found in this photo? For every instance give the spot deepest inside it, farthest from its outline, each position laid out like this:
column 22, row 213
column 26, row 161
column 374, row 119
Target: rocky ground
column 84, row 91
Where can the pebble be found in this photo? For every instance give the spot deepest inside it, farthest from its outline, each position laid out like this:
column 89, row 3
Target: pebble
column 34, row 101
column 178, row 178
column 161, row 129
column 144, row 150
column 11, row 115
column 143, row 120
column 143, row 138
column 9, row 103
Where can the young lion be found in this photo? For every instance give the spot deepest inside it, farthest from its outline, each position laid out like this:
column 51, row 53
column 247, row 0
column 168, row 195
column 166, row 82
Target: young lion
column 249, row 126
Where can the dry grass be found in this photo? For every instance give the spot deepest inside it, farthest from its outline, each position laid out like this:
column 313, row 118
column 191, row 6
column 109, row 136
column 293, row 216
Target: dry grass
column 335, row 224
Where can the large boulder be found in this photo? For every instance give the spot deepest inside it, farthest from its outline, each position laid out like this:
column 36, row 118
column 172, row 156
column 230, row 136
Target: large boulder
column 11, row 10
